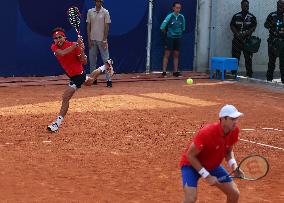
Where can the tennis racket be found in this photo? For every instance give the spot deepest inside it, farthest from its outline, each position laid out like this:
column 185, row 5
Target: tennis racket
column 254, row 167
column 74, row 18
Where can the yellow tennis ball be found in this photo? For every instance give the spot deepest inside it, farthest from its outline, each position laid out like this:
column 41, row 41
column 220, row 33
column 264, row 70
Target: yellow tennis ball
column 189, row 81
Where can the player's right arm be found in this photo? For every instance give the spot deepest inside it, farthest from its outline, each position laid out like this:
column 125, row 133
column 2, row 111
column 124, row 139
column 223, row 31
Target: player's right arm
column 90, row 42
column 192, row 153
column 62, row 52
column 165, row 23
column 233, row 25
column 269, row 22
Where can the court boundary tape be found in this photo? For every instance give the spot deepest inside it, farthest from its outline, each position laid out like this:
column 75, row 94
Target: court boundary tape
column 63, row 80
column 261, row 144
column 256, row 81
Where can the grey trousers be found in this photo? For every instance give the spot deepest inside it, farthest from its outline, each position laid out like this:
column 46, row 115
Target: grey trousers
column 93, row 52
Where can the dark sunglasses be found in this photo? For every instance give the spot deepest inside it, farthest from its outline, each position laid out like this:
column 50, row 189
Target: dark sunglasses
column 59, row 37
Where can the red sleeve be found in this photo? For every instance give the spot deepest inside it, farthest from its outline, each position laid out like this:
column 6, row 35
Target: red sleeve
column 78, row 51
column 200, row 140
column 54, row 47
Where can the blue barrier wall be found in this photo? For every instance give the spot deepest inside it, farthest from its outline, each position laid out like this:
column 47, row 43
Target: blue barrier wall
column 26, row 35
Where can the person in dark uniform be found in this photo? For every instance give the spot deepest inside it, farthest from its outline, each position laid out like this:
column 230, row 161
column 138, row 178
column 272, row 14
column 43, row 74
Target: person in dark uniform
column 243, row 24
column 275, row 24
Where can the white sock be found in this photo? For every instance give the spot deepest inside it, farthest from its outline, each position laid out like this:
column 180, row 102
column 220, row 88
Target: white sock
column 59, row 119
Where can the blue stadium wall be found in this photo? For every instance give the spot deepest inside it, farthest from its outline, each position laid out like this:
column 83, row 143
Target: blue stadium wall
column 26, row 37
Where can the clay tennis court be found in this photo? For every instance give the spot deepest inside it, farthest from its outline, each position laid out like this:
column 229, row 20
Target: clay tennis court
column 124, row 144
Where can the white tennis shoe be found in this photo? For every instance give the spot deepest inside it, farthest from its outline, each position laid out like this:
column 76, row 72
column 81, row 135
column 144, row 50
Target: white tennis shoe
column 53, row 127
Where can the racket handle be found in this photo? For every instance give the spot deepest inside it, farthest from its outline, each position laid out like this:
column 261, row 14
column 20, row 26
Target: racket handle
column 221, row 179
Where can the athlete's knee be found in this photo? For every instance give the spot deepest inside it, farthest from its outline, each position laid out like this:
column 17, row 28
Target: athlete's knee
column 234, row 195
column 176, row 54
column 190, row 196
column 189, row 200
column 167, row 54
column 68, row 95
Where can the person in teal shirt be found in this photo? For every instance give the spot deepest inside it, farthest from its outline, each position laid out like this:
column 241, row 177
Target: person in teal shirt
column 173, row 26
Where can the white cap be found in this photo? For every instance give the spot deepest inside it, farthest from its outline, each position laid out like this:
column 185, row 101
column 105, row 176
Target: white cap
column 230, row 111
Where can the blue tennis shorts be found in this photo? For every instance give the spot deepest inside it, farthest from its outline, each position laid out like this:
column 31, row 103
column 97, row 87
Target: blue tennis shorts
column 190, row 176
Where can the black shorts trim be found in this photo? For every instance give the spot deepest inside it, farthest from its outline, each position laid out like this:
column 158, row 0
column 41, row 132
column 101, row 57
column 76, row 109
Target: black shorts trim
column 173, row 43
column 78, row 80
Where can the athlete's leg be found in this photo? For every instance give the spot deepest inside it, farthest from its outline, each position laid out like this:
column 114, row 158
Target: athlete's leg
column 93, row 52
column 227, row 186
column 95, row 74
column 272, row 55
column 168, row 49
column 105, row 56
column 237, row 47
column 176, row 60
column 231, row 191
column 176, row 48
column 67, row 95
column 190, row 194
column 190, row 178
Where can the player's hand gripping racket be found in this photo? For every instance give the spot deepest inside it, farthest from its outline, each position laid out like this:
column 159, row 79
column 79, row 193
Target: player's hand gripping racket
column 74, row 18
column 253, row 167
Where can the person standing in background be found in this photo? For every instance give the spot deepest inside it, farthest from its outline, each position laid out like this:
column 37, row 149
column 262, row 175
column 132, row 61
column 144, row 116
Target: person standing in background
column 243, row 24
column 98, row 20
column 275, row 24
column 173, row 26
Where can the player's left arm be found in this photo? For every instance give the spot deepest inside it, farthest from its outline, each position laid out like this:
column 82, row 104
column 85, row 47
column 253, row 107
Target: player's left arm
column 106, row 29
column 230, row 158
column 165, row 23
column 233, row 26
column 253, row 26
column 81, row 52
column 183, row 23
column 83, row 58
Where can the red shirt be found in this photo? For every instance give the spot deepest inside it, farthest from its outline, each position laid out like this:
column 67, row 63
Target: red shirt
column 70, row 62
column 213, row 145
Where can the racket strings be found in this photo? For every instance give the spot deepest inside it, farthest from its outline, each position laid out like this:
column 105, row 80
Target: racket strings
column 74, row 16
column 254, row 167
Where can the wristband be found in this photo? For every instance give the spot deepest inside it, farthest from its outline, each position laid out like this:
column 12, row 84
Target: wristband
column 204, row 173
column 231, row 162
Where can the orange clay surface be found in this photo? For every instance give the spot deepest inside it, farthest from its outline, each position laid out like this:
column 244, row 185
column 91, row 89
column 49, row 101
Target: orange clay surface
column 124, row 144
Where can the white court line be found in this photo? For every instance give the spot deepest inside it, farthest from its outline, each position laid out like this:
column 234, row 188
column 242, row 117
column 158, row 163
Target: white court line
column 46, row 141
column 248, row 129
column 251, row 129
column 265, row 145
column 267, row 128
column 276, row 129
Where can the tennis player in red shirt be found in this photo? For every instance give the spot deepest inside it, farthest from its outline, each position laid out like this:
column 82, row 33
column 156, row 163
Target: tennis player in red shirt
column 71, row 57
column 203, row 157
